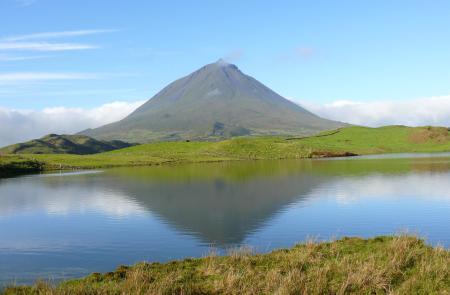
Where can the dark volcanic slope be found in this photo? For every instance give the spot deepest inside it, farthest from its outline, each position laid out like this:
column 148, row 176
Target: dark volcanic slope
column 216, row 101
column 64, row 144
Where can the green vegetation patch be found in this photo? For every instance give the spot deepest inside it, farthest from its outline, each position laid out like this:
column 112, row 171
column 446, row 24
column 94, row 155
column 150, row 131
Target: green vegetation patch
column 12, row 166
column 382, row 265
column 388, row 139
column 341, row 142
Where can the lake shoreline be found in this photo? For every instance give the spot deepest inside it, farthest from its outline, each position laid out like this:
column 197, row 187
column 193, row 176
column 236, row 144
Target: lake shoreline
column 18, row 168
column 30, row 167
column 400, row 264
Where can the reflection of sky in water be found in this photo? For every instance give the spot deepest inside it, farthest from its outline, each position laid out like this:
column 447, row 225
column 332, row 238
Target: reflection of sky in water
column 428, row 186
column 62, row 198
column 404, row 156
column 367, row 206
column 69, row 226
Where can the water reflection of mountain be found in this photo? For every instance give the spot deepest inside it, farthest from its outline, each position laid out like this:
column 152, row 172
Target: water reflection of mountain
column 217, row 203
column 220, row 211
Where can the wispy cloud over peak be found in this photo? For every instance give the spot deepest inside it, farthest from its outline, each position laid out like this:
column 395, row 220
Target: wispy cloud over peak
column 234, row 56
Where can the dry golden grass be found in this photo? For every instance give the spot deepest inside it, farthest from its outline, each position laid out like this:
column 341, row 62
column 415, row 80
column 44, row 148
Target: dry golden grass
column 382, row 265
column 438, row 135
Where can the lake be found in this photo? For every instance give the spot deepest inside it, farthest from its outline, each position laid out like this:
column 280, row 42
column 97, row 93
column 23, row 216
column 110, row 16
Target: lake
column 65, row 225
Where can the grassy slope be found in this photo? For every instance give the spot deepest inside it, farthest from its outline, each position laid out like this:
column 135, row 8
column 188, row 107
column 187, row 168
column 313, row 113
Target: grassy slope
column 389, row 139
column 356, row 140
column 63, row 144
column 394, row 265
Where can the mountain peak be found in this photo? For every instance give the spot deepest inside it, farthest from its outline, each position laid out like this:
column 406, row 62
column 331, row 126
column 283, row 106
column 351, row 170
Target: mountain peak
column 216, row 101
column 222, row 63
column 221, row 67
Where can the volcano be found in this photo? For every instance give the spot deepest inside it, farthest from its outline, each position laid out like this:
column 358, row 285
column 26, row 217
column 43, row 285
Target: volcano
column 215, row 102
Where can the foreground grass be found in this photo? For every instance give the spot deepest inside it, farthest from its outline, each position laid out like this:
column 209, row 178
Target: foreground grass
column 342, row 142
column 394, row 265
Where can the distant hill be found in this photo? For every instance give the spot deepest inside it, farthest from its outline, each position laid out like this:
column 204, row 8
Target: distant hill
column 64, row 144
column 215, row 102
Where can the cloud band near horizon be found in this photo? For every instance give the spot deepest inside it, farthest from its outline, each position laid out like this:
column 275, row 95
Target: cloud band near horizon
column 23, row 125
column 31, row 124
column 417, row 112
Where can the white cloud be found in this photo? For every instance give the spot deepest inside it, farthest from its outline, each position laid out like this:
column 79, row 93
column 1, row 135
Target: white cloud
column 18, row 58
column 305, row 52
column 39, row 43
column 44, row 46
column 31, row 91
column 234, row 56
column 51, row 35
column 417, row 112
column 24, row 3
column 20, row 77
column 22, row 125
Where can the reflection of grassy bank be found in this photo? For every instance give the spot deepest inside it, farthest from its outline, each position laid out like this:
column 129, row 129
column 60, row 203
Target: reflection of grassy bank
column 11, row 166
column 400, row 265
column 246, row 170
column 347, row 141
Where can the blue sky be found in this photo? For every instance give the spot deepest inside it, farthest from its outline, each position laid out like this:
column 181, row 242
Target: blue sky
column 311, row 50
column 85, row 54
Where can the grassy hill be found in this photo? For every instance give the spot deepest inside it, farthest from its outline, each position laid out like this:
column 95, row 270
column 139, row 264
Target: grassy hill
column 341, row 142
column 381, row 265
column 64, row 144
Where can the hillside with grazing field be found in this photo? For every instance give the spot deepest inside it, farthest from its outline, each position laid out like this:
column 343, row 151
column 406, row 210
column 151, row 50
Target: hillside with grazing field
column 388, row 139
column 341, row 142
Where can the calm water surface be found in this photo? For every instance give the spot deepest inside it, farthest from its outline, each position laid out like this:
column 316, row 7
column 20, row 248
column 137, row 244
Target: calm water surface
column 58, row 226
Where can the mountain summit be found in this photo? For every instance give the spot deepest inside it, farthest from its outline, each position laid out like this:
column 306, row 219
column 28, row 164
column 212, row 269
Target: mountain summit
column 216, row 101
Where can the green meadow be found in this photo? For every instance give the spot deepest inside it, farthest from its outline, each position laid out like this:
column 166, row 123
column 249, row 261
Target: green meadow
column 341, row 142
